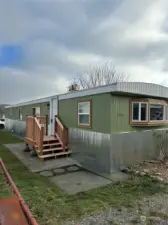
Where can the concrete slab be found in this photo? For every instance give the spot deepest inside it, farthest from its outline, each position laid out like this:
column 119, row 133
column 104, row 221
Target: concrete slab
column 73, row 168
column 115, row 176
column 59, row 170
column 34, row 163
column 46, row 173
column 79, row 181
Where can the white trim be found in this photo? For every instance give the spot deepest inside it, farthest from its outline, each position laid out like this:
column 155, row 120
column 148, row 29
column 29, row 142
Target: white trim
column 53, row 113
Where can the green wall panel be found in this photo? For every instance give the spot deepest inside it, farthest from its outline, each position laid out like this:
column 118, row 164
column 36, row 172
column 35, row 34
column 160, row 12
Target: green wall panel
column 101, row 117
column 13, row 113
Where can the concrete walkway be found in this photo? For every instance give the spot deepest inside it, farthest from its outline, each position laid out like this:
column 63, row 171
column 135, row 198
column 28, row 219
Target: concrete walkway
column 34, row 164
column 66, row 173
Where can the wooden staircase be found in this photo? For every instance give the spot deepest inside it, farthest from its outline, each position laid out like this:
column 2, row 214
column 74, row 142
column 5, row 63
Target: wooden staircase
column 46, row 146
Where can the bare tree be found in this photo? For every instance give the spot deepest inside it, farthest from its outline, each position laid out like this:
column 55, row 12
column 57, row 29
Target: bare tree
column 99, row 75
column 73, row 86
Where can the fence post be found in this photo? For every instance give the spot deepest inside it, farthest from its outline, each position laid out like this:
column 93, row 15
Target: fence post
column 46, row 124
column 27, row 126
column 63, row 139
column 55, row 125
column 41, row 140
column 33, row 131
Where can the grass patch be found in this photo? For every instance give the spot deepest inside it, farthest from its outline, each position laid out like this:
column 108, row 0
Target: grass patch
column 4, row 188
column 8, row 138
column 51, row 206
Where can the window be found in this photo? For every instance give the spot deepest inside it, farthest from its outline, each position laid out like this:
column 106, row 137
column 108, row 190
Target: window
column 20, row 115
column 148, row 112
column 84, row 113
column 157, row 112
column 139, row 111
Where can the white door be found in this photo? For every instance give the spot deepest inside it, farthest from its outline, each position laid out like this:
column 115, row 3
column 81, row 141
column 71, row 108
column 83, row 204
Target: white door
column 53, row 113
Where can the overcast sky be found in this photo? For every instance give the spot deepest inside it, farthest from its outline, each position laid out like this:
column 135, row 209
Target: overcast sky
column 44, row 43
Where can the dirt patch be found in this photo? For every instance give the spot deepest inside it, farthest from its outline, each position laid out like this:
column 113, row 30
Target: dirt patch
column 155, row 168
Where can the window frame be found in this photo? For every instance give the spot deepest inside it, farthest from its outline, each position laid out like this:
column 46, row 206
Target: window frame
column 89, row 125
column 166, row 111
column 139, row 112
column 148, row 121
column 20, row 115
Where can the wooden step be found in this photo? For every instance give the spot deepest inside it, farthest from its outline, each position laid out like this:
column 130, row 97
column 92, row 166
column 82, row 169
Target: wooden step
column 49, row 144
column 52, row 149
column 54, row 155
column 49, row 138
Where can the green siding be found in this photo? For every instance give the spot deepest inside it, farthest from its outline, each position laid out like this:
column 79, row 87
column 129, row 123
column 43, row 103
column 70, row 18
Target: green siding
column 13, row 113
column 100, row 112
column 120, row 116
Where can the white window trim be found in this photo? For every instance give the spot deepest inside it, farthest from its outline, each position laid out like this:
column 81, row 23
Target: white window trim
column 164, row 113
column 139, row 119
column 89, row 114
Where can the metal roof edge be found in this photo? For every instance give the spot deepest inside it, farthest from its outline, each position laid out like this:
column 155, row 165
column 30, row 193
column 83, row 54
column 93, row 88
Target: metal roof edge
column 148, row 89
column 36, row 101
column 87, row 92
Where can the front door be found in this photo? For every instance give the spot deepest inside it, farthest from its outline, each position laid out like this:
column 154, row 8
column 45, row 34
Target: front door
column 36, row 111
column 53, row 113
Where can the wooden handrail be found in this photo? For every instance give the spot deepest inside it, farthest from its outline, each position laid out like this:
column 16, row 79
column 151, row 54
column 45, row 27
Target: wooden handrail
column 61, row 133
column 35, row 132
column 37, row 122
column 59, row 123
column 43, row 120
column 38, row 135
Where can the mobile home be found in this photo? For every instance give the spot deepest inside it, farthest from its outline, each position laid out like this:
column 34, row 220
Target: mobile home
column 109, row 127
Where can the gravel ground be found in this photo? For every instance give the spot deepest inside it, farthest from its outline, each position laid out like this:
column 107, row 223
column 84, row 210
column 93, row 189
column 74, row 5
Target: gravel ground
column 150, row 211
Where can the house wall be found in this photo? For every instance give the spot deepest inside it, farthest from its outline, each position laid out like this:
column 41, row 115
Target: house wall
column 90, row 146
column 110, row 144
column 13, row 112
column 13, row 122
column 120, row 113
column 2, row 115
column 124, row 145
column 101, row 106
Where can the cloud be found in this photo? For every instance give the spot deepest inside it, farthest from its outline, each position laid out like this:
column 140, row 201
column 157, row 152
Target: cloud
column 60, row 38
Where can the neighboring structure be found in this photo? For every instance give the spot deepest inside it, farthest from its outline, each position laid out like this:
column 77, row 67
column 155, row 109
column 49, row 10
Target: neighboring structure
column 2, row 111
column 109, row 126
column 16, row 114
